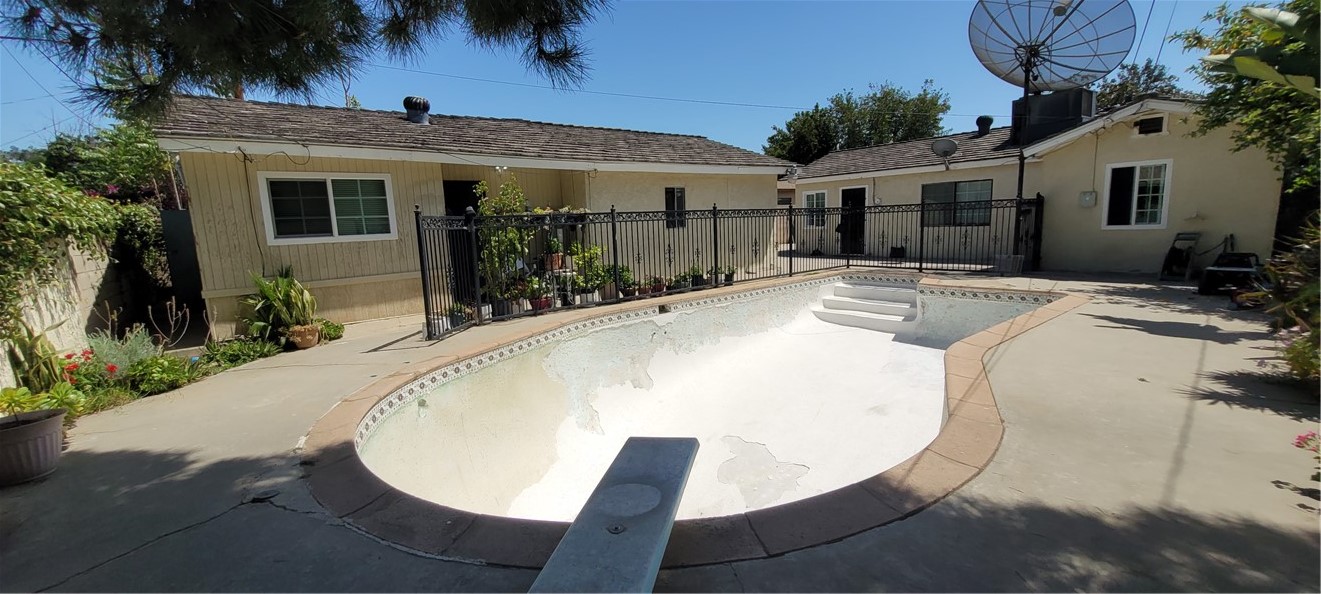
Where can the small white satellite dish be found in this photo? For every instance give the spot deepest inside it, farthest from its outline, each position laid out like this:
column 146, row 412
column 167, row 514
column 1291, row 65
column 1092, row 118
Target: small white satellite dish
column 944, row 148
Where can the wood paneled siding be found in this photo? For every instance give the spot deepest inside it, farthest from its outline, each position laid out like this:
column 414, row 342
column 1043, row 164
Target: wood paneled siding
column 231, row 235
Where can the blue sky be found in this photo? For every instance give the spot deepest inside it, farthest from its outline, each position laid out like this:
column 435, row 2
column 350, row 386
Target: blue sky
column 791, row 54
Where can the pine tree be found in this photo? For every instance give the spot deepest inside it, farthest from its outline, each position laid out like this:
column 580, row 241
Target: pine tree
column 158, row 48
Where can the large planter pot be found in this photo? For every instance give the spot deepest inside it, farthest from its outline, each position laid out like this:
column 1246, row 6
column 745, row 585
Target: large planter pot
column 629, row 292
column 699, row 282
column 657, row 289
column 609, row 293
column 554, row 261
column 305, row 336
column 541, row 303
column 729, row 278
column 30, row 445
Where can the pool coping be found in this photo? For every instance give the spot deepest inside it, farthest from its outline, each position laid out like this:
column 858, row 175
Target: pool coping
column 970, row 434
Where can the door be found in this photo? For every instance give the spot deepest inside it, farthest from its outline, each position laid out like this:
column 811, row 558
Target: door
column 853, row 220
column 459, row 195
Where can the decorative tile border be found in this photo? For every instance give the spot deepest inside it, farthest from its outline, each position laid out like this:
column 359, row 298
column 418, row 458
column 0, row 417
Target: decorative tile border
column 969, row 437
column 1002, row 296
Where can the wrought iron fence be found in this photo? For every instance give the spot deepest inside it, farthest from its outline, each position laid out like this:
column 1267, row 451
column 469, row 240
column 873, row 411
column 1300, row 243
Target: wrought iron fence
column 477, row 269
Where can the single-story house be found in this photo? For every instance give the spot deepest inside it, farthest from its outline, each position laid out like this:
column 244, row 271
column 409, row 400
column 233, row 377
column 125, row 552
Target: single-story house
column 1116, row 186
column 331, row 191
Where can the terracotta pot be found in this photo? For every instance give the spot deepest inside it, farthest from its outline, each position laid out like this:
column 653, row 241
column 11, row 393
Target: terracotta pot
column 657, row 289
column 30, row 445
column 540, row 303
column 305, row 336
column 554, row 261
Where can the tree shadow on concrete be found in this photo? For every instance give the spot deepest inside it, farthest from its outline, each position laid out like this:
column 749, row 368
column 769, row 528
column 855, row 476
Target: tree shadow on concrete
column 1270, row 391
column 973, row 544
column 1187, row 330
column 137, row 520
column 100, row 501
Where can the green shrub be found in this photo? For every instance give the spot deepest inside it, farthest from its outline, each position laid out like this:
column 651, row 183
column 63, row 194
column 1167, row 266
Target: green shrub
column 280, row 303
column 40, row 214
column 136, row 345
column 237, row 351
column 158, row 374
column 331, row 330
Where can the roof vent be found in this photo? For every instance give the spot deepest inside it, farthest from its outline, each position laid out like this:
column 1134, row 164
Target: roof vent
column 417, row 110
column 984, row 125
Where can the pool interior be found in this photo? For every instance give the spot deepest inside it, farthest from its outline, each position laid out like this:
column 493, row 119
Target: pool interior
column 785, row 405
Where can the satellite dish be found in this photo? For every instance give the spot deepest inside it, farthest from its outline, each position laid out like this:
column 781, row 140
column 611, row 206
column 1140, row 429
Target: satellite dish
column 944, row 147
column 1051, row 45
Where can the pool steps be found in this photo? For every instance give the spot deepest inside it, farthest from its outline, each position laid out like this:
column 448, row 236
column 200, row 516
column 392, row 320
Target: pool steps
column 884, row 308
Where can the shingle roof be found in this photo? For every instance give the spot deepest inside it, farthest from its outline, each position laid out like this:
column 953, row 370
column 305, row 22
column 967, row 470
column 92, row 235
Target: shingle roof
column 911, row 153
column 205, row 117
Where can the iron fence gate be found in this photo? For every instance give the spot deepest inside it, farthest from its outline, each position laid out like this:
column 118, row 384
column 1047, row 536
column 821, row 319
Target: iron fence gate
column 477, row 269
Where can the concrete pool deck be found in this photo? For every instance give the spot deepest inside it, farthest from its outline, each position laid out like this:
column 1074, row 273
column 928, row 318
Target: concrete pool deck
column 1141, row 451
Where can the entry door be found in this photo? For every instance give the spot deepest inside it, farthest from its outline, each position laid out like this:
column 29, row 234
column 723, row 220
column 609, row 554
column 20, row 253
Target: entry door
column 459, row 195
column 853, row 223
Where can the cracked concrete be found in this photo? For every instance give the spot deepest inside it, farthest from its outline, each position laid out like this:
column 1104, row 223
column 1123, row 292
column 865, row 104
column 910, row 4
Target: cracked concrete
column 1103, row 482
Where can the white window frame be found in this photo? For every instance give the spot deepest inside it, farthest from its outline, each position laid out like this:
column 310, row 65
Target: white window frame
column 807, row 209
column 264, row 189
column 1164, row 125
column 1164, row 203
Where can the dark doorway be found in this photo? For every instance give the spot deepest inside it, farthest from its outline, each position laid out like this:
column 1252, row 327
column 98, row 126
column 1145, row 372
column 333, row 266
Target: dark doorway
column 459, row 195
column 853, row 220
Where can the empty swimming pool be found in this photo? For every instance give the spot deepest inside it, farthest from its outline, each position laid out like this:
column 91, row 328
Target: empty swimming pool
column 786, row 399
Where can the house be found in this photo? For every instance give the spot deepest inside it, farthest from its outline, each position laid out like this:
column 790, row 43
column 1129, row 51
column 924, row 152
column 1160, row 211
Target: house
column 1116, row 187
column 331, row 191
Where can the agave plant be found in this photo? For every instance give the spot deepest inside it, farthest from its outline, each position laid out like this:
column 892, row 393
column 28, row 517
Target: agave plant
column 280, row 303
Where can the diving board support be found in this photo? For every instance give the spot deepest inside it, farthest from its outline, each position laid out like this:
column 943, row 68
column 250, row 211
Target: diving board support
column 617, row 541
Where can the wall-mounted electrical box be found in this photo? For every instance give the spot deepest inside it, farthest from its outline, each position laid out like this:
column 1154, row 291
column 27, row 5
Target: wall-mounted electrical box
column 1087, row 199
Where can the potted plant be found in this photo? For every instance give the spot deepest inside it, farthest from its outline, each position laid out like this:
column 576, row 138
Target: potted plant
column 554, row 252
column 698, row 277
column 657, row 284
column 728, row 272
column 283, row 307
column 538, row 294
column 31, row 433
column 679, row 282
column 458, row 314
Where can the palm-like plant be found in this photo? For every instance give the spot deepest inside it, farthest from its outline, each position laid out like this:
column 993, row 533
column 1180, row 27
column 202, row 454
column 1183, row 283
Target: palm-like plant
column 281, row 303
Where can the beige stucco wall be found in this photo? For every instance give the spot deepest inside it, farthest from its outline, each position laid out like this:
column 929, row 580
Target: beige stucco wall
column 1212, row 190
column 653, row 249
column 372, row 279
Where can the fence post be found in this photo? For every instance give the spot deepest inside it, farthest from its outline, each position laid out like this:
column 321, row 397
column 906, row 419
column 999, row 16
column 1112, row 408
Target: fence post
column 715, row 244
column 614, row 252
column 470, row 221
column 1037, row 228
column 921, row 235
column 793, row 240
column 423, row 264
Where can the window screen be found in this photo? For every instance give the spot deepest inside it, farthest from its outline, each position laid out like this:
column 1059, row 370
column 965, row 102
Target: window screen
column 300, row 208
column 961, row 203
column 1154, row 125
column 333, row 207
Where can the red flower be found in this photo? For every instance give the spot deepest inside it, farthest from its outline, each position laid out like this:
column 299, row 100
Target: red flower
column 71, row 367
column 87, row 352
column 68, row 356
column 111, row 368
column 72, row 381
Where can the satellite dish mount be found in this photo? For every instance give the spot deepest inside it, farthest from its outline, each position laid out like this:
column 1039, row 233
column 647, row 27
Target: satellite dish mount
column 944, row 148
column 1049, row 45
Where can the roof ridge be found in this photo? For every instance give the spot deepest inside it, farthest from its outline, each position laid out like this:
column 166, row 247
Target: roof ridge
column 453, row 116
column 870, row 146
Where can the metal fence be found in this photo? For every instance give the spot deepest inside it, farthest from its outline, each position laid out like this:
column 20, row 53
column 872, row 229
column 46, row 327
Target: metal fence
column 477, row 269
